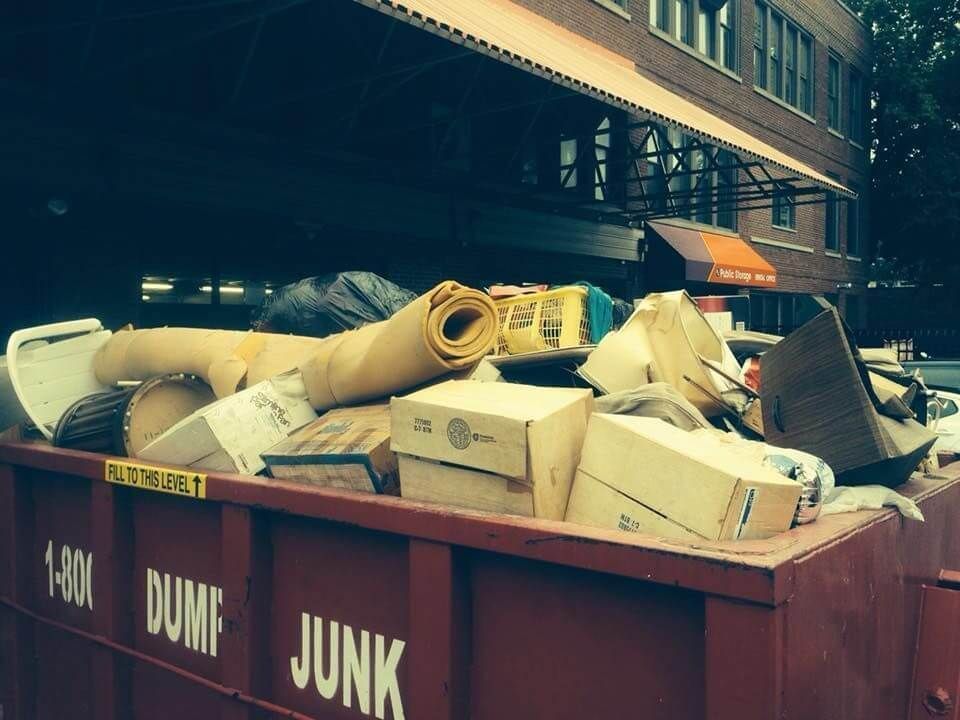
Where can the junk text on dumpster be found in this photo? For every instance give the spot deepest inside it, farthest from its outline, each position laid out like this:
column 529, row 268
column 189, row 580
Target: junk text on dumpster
column 185, row 610
column 70, row 571
column 338, row 658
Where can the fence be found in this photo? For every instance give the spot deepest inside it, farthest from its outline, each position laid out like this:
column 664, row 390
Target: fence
column 915, row 344
column 909, row 344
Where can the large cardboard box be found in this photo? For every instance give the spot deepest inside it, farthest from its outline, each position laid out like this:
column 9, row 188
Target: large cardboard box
column 230, row 434
column 529, row 435
column 644, row 475
column 347, row 448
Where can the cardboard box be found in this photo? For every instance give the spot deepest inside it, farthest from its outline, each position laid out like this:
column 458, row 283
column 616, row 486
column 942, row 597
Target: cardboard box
column 530, row 435
column 230, row 434
column 347, row 448
column 462, row 487
column 644, row 475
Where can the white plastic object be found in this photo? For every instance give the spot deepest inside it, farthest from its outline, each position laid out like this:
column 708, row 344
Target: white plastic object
column 50, row 378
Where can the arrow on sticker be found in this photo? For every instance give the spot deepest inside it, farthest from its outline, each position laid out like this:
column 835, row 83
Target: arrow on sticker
column 196, row 486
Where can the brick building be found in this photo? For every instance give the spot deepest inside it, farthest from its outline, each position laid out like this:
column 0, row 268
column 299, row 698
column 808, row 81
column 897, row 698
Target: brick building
column 711, row 58
column 234, row 146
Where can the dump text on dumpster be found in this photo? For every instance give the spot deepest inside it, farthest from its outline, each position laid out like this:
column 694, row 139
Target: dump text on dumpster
column 186, row 610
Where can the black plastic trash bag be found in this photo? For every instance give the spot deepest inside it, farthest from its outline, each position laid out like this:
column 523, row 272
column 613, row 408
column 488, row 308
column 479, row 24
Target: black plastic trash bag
column 328, row 304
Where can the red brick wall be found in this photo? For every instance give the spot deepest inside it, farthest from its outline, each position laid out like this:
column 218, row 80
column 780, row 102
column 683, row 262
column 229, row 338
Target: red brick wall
column 831, row 26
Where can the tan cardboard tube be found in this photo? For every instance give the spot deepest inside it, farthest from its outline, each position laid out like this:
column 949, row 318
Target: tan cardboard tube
column 449, row 328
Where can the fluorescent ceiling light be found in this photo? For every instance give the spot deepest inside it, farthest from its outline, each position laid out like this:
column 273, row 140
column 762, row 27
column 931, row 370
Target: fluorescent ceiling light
column 156, row 286
column 224, row 289
column 268, row 291
column 145, row 298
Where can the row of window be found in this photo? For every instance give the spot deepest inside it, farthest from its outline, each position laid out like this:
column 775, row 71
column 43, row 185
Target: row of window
column 785, row 218
column 699, row 24
column 783, row 55
column 703, row 184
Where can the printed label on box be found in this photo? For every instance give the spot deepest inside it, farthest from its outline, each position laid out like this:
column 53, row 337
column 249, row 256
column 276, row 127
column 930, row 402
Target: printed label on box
column 748, row 501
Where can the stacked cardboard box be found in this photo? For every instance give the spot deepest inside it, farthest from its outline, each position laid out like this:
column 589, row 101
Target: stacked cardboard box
column 491, row 446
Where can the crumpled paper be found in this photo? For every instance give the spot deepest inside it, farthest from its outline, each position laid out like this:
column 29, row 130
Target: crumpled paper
column 869, row 497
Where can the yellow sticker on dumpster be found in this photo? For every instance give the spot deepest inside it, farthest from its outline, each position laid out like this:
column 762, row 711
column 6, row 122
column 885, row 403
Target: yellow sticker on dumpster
column 157, row 479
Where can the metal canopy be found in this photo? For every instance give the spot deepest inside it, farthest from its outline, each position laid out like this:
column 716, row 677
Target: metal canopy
column 715, row 165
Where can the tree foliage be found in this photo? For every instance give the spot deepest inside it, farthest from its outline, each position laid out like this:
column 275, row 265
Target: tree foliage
column 915, row 208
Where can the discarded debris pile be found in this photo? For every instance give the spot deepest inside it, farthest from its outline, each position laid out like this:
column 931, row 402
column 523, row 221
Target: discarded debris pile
column 520, row 400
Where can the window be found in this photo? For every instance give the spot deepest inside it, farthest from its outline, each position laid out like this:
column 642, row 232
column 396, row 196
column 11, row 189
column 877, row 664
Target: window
column 776, row 49
column 784, row 212
column 707, row 32
column 568, row 163
column 679, row 184
column 790, row 67
column 703, row 198
column 773, row 312
column 805, row 68
column 660, row 14
column 726, row 179
column 760, row 46
column 855, row 92
column 782, row 58
column 728, row 42
column 698, row 24
column 680, row 25
column 831, row 233
column 601, row 153
column 833, row 94
column 853, row 225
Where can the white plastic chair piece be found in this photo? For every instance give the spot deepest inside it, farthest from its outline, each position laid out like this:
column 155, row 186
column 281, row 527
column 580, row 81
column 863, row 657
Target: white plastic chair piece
column 49, row 378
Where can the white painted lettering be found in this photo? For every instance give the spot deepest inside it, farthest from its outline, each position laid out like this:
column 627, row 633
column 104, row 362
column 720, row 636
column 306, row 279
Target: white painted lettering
column 385, row 682
column 173, row 627
column 300, row 667
column 356, row 669
column 326, row 683
column 187, row 610
column 216, row 602
column 348, row 670
column 154, row 602
column 195, row 612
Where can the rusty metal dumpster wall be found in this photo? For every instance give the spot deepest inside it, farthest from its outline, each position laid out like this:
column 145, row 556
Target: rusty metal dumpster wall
column 271, row 599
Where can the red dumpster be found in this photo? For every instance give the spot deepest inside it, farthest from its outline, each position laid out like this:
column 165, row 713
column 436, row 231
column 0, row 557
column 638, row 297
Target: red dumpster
column 134, row 591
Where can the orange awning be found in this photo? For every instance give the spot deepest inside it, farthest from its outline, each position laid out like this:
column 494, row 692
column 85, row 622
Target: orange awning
column 716, row 257
column 520, row 37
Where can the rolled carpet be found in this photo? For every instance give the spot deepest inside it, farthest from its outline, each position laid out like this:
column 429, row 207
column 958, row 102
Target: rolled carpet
column 449, row 328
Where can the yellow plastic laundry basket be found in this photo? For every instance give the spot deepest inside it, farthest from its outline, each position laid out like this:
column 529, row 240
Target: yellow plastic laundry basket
column 543, row 321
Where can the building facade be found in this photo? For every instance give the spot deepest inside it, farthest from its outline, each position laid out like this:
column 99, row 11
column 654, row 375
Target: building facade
column 794, row 73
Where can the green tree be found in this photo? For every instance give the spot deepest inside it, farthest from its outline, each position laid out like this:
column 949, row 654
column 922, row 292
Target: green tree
column 915, row 208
